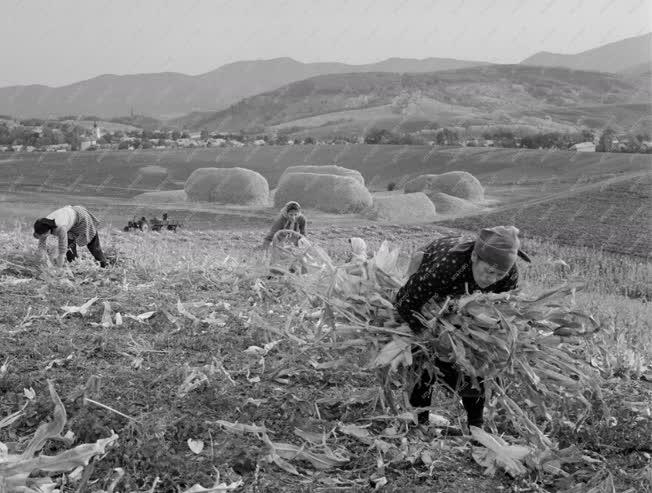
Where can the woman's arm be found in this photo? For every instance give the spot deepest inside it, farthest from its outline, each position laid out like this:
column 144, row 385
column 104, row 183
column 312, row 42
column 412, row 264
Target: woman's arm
column 62, row 236
column 276, row 226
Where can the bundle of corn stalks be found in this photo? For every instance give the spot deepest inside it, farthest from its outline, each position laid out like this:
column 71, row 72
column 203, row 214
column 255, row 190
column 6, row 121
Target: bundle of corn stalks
column 526, row 349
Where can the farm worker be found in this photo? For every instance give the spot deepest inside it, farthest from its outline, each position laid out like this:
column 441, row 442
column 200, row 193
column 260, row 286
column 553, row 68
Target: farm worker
column 73, row 225
column 358, row 250
column 452, row 267
column 290, row 218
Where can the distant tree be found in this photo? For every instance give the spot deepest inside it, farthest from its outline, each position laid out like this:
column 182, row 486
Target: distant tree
column 447, row 137
column 185, row 135
column 32, row 122
column 309, row 140
column 146, row 144
column 47, row 138
column 118, row 134
column 281, row 139
column 204, row 135
column 606, row 141
column 107, row 138
column 587, row 135
column 391, row 186
column 5, row 135
column 176, row 135
column 379, row 136
column 124, row 145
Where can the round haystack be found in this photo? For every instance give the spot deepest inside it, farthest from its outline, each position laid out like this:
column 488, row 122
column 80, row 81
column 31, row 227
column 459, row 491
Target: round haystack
column 154, row 169
column 162, row 197
column 328, row 193
column 456, row 183
column 329, row 169
column 453, row 206
column 403, row 208
column 227, row 186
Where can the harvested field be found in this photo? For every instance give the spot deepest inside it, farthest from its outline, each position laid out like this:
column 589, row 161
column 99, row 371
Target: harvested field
column 207, row 340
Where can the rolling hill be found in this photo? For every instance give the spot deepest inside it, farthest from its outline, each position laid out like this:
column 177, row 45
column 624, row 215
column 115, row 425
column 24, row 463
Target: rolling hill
column 532, row 98
column 168, row 94
column 123, row 173
column 623, row 55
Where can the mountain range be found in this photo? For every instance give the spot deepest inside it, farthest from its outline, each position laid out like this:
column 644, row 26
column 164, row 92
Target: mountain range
column 285, row 92
column 631, row 55
column 169, row 94
column 516, row 97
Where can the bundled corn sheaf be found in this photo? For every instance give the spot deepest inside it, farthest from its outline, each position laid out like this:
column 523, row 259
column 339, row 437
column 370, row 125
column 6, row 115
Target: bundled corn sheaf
column 526, row 349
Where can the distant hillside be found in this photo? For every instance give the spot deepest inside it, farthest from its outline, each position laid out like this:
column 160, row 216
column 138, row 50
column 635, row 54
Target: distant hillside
column 140, row 121
column 612, row 57
column 612, row 215
column 516, row 95
column 169, row 94
column 119, row 173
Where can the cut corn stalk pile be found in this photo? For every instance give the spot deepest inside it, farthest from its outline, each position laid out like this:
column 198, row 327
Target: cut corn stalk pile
column 526, row 349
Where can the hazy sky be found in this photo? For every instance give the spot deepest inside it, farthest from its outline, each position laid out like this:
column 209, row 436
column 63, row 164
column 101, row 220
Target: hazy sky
column 57, row 42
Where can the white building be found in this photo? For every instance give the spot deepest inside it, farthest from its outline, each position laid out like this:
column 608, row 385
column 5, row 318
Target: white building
column 85, row 144
column 583, row 147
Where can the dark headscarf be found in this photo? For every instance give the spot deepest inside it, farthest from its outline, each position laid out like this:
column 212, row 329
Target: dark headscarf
column 44, row 225
column 498, row 246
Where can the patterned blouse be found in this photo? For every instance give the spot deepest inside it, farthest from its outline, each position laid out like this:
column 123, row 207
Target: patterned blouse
column 73, row 223
column 444, row 271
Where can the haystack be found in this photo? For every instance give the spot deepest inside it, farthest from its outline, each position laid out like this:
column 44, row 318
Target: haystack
column 456, row 183
column 403, row 208
column 328, row 193
column 330, row 169
column 449, row 205
column 227, row 186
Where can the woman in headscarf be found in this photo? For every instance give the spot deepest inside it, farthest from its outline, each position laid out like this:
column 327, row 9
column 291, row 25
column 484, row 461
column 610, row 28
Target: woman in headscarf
column 72, row 225
column 451, row 267
column 290, row 218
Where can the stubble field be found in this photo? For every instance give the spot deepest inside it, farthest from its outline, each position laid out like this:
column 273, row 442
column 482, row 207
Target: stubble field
column 185, row 370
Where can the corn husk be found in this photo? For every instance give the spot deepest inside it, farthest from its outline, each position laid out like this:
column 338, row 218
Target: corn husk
column 526, row 348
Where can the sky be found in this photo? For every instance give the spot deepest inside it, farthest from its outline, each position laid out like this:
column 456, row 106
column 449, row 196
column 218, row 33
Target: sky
column 58, row 42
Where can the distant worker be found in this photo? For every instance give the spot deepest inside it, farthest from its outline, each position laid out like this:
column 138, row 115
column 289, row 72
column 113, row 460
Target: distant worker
column 73, row 225
column 451, row 267
column 290, row 218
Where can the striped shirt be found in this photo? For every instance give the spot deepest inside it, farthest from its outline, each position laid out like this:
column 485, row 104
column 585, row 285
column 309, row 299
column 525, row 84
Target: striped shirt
column 73, row 222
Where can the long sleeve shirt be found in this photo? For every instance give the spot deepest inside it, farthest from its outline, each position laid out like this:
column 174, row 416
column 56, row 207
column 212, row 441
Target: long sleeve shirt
column 444, row 272
column 65, row 219
column 283, row 222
